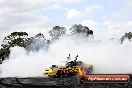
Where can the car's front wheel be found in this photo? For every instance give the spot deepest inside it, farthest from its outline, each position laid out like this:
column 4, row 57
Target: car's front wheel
column 60, row 73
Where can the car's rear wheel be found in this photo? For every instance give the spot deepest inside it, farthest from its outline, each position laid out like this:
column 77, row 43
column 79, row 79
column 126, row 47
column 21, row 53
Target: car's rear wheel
column 81, row 80
column 60, row 73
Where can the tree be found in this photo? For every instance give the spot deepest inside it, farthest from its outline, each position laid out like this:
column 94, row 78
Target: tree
column 21, row 39
column 56, row 32
column 14, row 39
column 81, row 29
column 37, row 42
column 126, row 36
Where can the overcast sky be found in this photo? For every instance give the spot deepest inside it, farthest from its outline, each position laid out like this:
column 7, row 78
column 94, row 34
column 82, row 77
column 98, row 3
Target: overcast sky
column 102, row 16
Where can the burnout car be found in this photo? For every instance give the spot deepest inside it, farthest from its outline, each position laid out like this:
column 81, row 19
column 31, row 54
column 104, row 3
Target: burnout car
column 71, row 68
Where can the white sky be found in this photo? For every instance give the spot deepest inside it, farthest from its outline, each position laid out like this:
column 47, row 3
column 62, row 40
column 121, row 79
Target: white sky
column 108, row 17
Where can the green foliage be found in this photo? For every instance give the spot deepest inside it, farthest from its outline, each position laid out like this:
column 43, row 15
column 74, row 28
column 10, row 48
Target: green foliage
column 15, row 39
column 126, row 36
column 57, row 31
column 81, row 29
column 38, row 41
column 21, row 39
column 19, row 34
column 4, row 53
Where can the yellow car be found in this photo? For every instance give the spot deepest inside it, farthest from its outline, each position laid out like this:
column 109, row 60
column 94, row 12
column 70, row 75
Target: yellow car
column 71, row 68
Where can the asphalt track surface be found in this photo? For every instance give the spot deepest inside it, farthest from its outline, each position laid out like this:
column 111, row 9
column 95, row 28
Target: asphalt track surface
column 46, row 82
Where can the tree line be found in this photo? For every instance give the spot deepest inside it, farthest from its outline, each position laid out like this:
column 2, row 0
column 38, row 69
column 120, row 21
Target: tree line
column 36, row 42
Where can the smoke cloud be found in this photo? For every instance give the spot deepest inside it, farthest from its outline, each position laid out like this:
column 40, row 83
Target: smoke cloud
column 107, row 57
